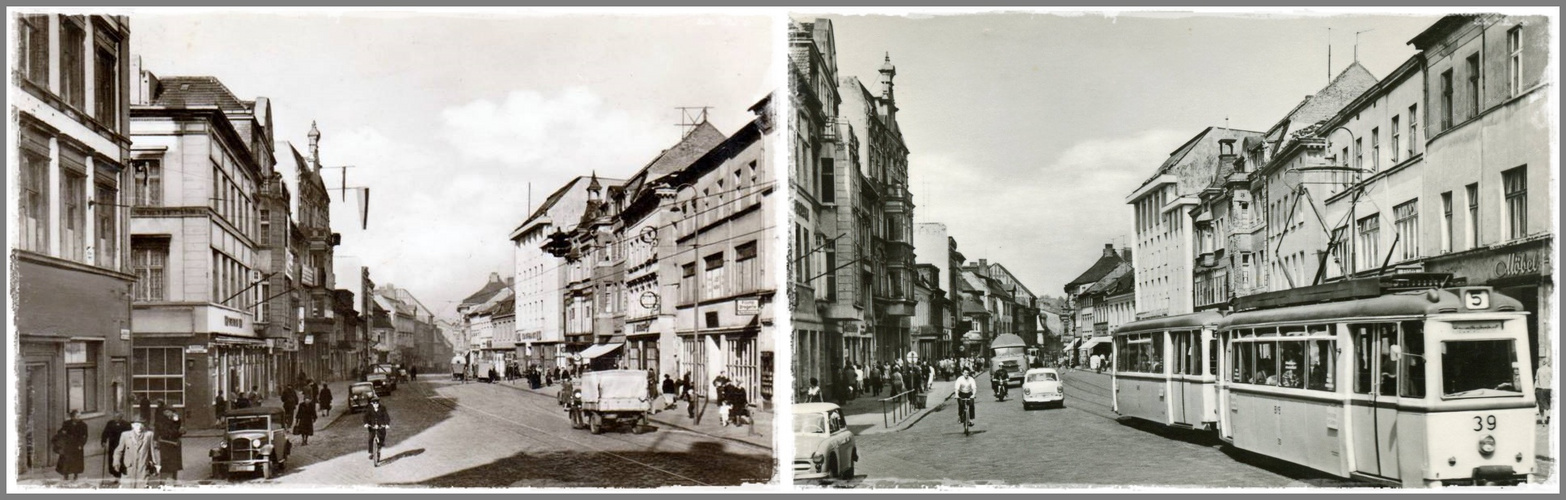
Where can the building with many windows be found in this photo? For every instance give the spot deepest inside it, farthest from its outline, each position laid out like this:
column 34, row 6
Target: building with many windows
column 71, row 280
column 817, row 142
column 195, row 336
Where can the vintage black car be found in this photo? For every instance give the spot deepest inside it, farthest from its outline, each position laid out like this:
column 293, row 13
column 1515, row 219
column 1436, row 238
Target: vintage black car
column 359, row 396
column 380, row 382
column 254, row 441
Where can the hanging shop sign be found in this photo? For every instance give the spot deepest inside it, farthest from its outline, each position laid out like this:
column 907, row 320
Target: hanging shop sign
column 748, row 306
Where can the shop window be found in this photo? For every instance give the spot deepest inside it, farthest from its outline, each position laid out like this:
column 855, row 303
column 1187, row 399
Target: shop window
column 81, row 376
column 159, row 374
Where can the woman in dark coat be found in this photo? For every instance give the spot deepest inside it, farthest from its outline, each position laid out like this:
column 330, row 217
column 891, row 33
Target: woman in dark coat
column 69, row 443
column 168, row 429
column 304, row 420
column 325, row 400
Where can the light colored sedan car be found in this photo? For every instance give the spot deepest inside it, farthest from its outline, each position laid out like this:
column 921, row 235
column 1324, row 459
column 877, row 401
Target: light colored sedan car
column 823, row 445
column 1042, row 386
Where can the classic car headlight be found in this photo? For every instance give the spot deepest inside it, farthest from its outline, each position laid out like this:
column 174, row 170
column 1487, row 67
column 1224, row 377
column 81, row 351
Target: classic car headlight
column 255, row 443
column 1487, row 445
column 1027, row 391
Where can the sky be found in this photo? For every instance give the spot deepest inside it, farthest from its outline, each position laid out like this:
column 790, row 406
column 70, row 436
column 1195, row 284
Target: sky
column 449, row 117
column 1027, row 131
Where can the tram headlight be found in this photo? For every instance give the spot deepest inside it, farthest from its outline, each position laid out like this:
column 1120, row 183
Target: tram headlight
column 1487, row 445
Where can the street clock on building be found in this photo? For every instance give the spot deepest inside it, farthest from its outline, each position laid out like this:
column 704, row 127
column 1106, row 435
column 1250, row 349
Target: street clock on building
column 649, row 235
column 650, row 301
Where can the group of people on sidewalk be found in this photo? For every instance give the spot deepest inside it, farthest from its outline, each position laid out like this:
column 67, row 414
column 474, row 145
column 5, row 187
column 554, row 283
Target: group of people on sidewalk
column 895, row 377
column 135, row 455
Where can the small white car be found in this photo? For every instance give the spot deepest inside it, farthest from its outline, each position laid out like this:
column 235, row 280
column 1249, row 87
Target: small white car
column 1042, row 386
column 823, row 446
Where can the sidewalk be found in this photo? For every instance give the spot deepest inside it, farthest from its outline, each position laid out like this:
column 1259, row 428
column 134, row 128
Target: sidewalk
column 758, row 434
column 196, row 463
column 864, row 414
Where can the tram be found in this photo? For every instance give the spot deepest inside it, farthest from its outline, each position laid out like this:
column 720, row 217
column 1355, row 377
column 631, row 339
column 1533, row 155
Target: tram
column 1391, row 381
column 1177, row 388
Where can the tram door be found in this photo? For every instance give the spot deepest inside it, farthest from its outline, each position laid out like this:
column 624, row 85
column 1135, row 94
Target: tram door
column 1182, row 356
column 1375, row 376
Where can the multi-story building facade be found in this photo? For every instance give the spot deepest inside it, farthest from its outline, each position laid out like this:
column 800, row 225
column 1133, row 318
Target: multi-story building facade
column 931, row 325
column 73, row 179
column 320, row 356
column 195, row 334
column 279, row 310
column 1164, row 246
column 540, row 280
column 1078, row 314
column 816, row 140
column 876, row 222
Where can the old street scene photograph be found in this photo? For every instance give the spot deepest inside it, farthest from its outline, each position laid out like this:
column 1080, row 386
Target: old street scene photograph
column 484, row 248
column 1271, row 249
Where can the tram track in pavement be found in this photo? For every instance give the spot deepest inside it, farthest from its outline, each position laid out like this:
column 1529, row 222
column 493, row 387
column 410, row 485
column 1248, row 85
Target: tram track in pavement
column 669, row 428
column 433, row 399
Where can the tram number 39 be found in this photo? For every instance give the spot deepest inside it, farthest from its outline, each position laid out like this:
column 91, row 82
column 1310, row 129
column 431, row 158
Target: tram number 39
column 1485, row 422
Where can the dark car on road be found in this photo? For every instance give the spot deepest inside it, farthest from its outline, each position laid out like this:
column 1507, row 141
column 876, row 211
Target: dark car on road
column 254, row 440
column 359, row 396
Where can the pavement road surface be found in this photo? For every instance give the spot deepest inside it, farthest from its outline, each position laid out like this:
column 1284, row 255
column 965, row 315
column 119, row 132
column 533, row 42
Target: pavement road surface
column 449, row 434
column 1080, row 445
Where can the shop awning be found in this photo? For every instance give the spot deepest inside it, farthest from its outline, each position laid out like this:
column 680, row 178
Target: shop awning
column 598, row 350
column 1093, row 342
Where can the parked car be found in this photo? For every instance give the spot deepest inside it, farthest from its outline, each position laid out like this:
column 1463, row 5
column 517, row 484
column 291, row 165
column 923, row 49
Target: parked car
column 1043, row 386
column 380, row 382
column 253, row 440
column 823, row 445
column 359, row 395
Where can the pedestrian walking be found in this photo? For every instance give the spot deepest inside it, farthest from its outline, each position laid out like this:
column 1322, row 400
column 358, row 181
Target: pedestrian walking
column 315, row 390
column 414, row 372
column 136, row 457
column 220, row 407
column 144, row 407
column 69, row 442
column 897, row 382
column 325, row 400
column 668, row 391
column 110, row 439
column 1542, row 380
column 304, row 420
column 875, row 380
column 688, row 392
column 290, row 402
column 167, row 429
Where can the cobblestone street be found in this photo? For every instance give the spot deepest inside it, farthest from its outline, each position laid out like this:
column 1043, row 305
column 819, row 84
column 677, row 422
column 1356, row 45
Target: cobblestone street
column 1079, row 445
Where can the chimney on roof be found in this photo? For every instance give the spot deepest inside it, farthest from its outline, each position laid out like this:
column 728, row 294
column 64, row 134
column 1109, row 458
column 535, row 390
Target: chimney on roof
column 984, row 264
column 1226, row 154
column 1109, row 250
column 494, row 277
column 1125, row 254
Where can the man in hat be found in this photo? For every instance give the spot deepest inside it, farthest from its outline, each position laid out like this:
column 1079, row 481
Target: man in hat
column 69, row 443
column 137, row 456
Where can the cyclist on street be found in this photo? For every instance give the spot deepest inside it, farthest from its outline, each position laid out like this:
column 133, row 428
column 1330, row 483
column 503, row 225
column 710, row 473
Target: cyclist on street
column 376, row 420
column 966, row 386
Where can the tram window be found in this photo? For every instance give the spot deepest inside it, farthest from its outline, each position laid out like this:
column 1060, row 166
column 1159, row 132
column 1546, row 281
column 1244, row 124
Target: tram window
column 1320, row 373
column 1245, row 361
column 1157, row 355
column 1266, row 332
column 1291, row 356
column 1388, row 339
column 1193, row 354
column 1179, row 341
column 1212, row 356
column 1320, row 330
column 1244, row 332
column 1479, row 368
column 1413, row 362
column 1292, row 331
column 1266, row 364
column 1120, row 352
column 1364, row 349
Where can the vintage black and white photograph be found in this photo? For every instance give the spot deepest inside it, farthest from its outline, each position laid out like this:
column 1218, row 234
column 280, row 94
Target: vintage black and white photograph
column 333, row 248
column 1154, row 250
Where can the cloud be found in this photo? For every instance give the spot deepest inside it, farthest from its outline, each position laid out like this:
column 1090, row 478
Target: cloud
column 1045, row 223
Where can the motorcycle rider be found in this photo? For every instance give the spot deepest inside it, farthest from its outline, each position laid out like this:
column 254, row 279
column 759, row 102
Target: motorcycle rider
column 998, row 381
column 965, row 387
column 377, row 420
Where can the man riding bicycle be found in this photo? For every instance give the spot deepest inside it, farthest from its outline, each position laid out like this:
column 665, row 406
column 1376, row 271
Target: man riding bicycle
column 376, row 420
column 966, row 386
